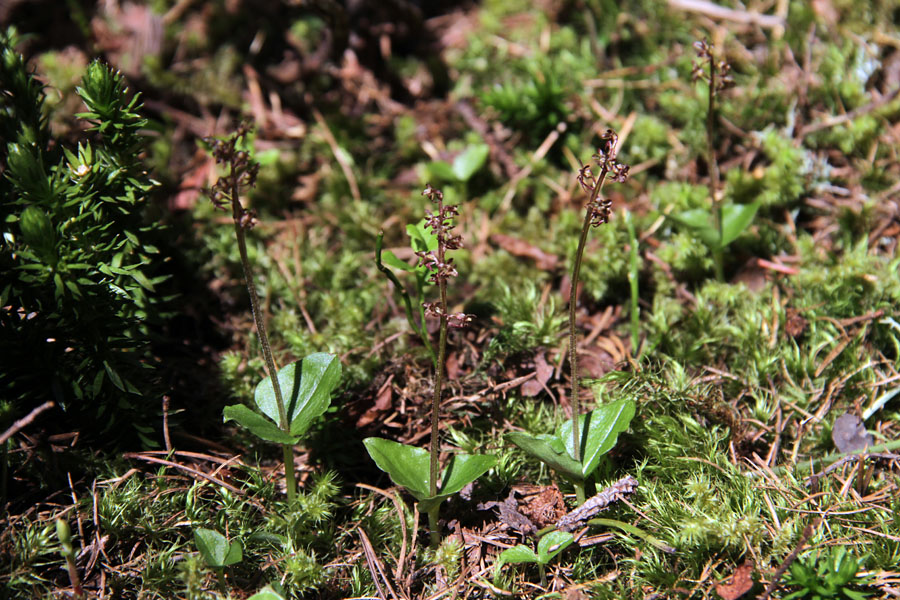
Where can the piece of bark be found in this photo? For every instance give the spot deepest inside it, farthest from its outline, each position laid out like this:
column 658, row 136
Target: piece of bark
column 595, row 504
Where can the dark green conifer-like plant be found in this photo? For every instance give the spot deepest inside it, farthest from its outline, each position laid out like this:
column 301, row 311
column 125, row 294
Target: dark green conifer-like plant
column 78, row 265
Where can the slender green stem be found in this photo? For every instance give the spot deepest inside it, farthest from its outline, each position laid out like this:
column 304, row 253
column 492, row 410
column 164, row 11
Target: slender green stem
column 404, row 296
column 714, row 169
column 434, row 531
column 633, row 266
column 573, row 339
column 220, row 577
column 287, row 453
column 238, row 216
column 438, row 384
column 580, row 496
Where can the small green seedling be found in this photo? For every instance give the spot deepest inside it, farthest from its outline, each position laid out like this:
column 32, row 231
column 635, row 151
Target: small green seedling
column 831, row 575
column 721, row 224
column 421, row 239
column 599, row 430
column 548, row 547
column 217, row 551
column 267, row 593
column 703, row 222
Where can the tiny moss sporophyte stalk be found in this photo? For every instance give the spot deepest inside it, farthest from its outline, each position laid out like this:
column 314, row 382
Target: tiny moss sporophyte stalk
column 413, row 468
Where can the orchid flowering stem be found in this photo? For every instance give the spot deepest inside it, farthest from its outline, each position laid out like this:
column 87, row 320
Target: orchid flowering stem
column 238, row 215
column 573, row 337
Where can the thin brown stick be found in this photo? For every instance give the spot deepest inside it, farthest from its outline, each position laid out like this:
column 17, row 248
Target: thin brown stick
column 853, row 114
column 375, row 567
column 25, row 421
column 338, row 155
column 398, row 572
column 165, row 407
column 714, row 11
column 184, row 468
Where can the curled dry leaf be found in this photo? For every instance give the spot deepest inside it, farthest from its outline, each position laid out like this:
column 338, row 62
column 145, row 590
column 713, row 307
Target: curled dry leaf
column 740, row 582
column 543, row 371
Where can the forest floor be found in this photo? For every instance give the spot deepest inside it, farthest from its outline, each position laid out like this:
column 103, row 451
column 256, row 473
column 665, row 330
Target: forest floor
column 743, row 297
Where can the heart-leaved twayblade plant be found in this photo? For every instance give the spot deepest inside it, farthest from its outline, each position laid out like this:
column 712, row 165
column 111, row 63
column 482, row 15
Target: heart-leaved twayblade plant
column 413, row 468
column 295, row 397
column 575, row 450
column 722, row 223
column 420, row 240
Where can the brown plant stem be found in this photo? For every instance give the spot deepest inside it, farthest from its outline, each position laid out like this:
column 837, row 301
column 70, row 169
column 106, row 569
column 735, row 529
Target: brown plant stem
column 573, row 298
column 439, row 374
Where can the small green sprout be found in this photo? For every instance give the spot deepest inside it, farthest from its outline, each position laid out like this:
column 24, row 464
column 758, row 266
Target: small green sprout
column 721, row 224
column 68, row 552
column 421, row 240
column 217, row 551
column 548, row 547
column 267, row 593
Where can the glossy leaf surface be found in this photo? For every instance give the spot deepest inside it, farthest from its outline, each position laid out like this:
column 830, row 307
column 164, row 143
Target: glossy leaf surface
column 306, row 391
column 599, row 431
column 542, row 449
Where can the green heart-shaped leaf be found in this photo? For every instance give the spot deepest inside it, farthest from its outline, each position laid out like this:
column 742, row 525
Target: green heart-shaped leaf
column 599, row 431
column 422, row 239
column 267, row 593
column 258, row 425
column 391, row 260
column 469, row 161
column 407, row 466
column 410, row 467
column 463, row 470
column 542, row 449
column 306, row 391
column 552, row 544
column 441, row 170
column 735, row 219
column 215, row 549
column 517, row 554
